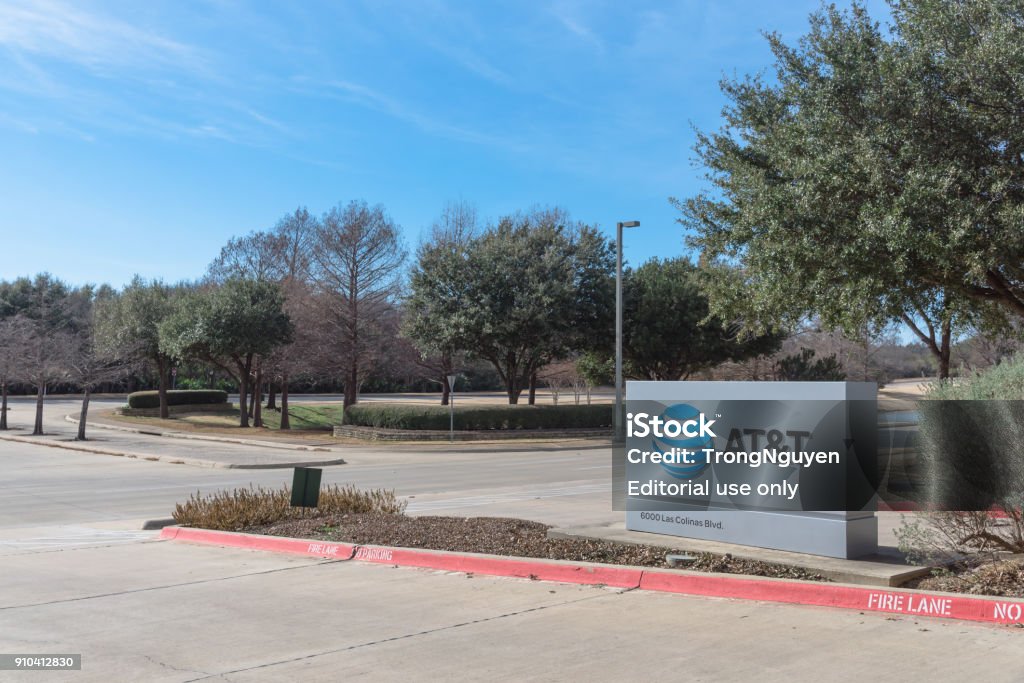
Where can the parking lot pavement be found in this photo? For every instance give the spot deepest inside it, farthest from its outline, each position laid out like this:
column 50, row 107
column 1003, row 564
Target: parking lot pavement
column 160, row 611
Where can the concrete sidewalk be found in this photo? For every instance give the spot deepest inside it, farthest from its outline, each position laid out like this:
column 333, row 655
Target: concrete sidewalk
column 170, row 612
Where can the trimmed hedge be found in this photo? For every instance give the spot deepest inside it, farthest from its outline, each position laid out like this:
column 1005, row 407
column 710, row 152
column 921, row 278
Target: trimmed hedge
column 479, row 418
column 177, row 397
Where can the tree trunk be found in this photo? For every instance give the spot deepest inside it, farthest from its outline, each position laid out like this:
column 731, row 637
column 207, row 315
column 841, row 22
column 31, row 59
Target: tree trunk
column 285, row 421
column 512, row 387
column 252, row 393
column 447, row 368
column 243, row 392
column 82, row 415
column 40, row 391
column 352, row 380
column 271, row 396
column 351, row 384
column 940, row 348
column 162, row 370
column 3, row 405
column 944, row 350
column 532, row 400
column 257, row 414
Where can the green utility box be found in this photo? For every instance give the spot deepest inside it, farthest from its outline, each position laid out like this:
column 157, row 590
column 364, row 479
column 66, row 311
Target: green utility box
column 306, row 487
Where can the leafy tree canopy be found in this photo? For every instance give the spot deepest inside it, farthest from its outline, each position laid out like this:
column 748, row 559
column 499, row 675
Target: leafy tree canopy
column 667, row 331
column 238, row 319
column 878, row 176
column 230, row 326
column 521, row 294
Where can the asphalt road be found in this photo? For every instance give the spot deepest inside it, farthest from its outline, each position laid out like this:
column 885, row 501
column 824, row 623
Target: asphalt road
column 53, row 486
column 78, row 575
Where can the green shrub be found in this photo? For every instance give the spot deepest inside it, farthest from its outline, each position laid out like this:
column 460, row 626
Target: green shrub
column 177, row 397
column 969, row 460
column 479, row 418
column 1003, row 382
column 256, row 506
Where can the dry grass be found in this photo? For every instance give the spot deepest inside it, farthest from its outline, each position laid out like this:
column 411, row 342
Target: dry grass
column 255, row 506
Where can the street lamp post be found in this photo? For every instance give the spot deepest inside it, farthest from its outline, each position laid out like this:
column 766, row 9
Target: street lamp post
column 617, row 417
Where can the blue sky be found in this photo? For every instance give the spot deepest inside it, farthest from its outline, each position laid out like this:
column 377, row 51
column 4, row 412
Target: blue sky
column 140, row 136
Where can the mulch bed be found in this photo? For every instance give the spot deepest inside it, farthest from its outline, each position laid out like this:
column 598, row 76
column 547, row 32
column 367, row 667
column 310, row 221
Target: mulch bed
column 511, row 537
column 1002, row 577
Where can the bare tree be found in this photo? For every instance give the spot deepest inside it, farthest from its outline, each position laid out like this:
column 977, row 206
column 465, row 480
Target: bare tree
column 356, row 267
column 299, row 357
column 53, row 312
column 252, row 256
column 45, row 362
column 15, row 334
column 457, row 224
column 89, row 363
column 294, row 237
column 293, row 240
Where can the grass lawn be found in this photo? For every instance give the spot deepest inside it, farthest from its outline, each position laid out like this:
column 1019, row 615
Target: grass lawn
column 306, row 417
column 309, row 422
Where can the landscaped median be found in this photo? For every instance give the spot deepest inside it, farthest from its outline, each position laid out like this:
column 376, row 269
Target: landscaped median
column 897, row 601
column 371, row 526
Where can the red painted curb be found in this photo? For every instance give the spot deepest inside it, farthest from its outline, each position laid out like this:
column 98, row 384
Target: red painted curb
column 909, row 602
column 276, row 544
column 897, row 601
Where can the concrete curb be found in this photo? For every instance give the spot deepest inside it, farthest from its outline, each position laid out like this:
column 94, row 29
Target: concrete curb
column 171, row 459
column 380, row 434
column 894, row 600
column 170, row 434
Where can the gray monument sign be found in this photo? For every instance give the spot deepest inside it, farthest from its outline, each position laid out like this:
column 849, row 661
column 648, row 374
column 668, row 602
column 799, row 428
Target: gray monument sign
column 784, row 465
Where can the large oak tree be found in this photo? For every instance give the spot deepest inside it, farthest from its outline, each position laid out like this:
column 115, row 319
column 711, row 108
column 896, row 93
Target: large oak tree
column 878, row 177
column 668, row 332
column 525, row 292
column 229, row 325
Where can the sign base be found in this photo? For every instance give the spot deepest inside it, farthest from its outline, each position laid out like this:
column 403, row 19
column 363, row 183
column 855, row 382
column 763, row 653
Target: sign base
column 846, row 535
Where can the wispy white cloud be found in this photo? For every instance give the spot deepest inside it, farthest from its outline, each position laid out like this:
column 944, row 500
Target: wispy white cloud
column 450, row 31
column 57, row 51
column 385, row 104
column 571, row 17
column 8, row 121
column 64, row 31
column 471, row 61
